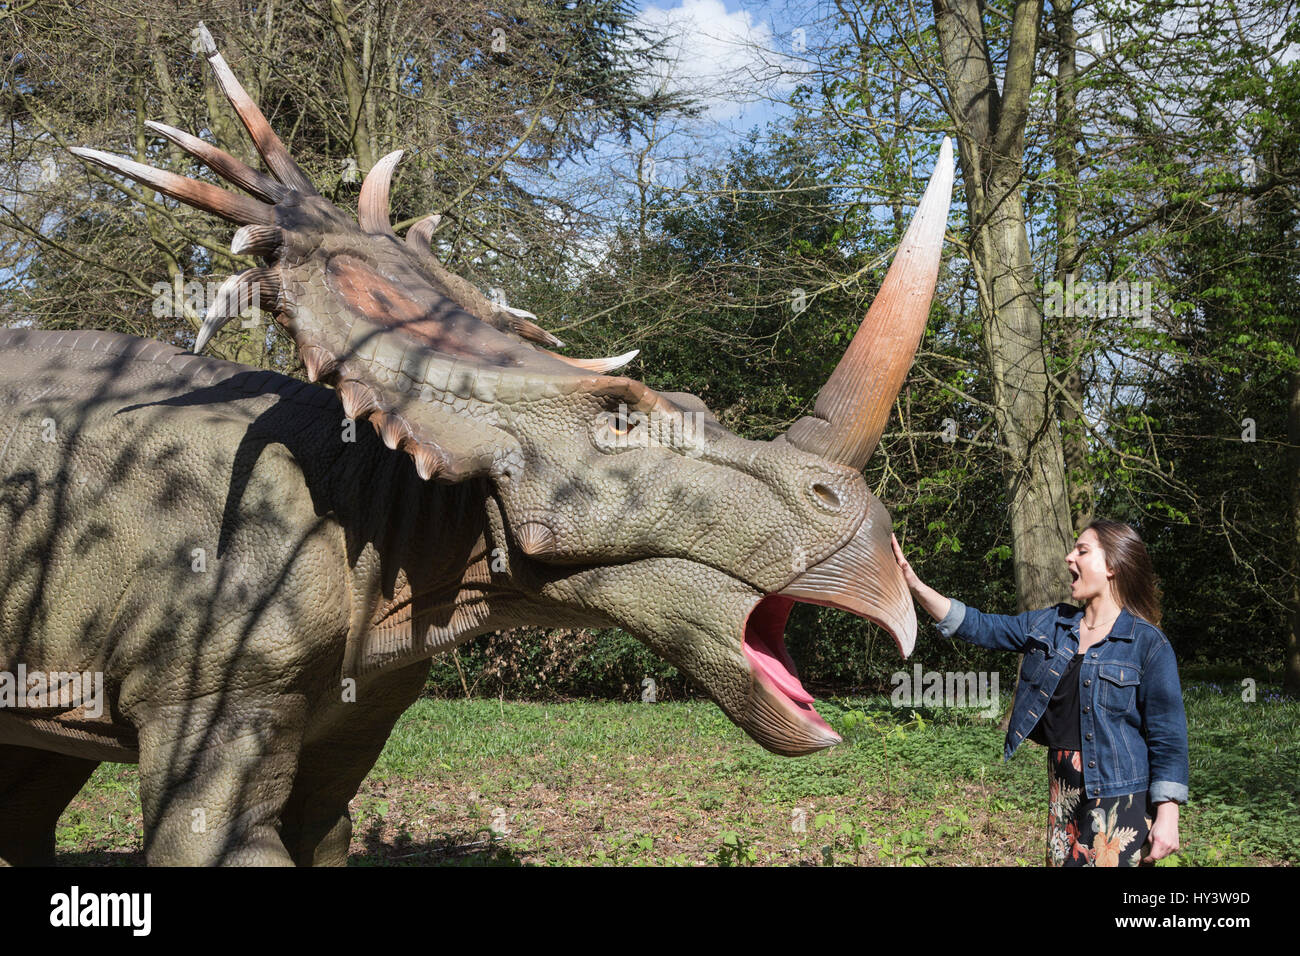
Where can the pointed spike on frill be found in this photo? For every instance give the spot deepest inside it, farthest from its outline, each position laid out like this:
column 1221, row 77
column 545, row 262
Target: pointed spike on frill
column 599, row 365
column 223, row 164
column 213, row 199
column 260, row 287
column 392, row 428
column 429, row 461
column 257, row 240
column 521, row 323
column 319, row 362
column 273, row 152
column 238, row 293
column 420, row 236
column 372, row 206
column 398, row 433
column 208, row 329
column 205, row 39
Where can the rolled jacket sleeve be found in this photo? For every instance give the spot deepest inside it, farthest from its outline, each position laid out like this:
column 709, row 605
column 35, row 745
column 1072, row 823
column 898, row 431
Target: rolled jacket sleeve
column 1163, row 791
column 952, row 620
column 1001, row 632
column 1164, row 724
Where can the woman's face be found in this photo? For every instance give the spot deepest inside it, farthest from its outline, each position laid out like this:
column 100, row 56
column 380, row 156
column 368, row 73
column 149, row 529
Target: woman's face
column 1087, row 564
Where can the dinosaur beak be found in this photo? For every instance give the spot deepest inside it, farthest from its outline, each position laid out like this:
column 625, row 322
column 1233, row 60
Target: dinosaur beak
column 862, row 578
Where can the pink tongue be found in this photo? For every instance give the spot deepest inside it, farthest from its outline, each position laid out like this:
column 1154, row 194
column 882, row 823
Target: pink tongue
column 776, row 672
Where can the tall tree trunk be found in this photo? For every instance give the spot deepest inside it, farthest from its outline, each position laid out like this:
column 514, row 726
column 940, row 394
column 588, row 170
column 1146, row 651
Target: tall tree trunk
column 990, row 133
column 353, row 89
column 1073, row 426
column 991, row 145
column 1023, row 396
column 1291, row 672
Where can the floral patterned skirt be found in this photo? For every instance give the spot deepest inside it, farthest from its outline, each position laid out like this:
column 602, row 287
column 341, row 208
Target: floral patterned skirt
column 1104, row 831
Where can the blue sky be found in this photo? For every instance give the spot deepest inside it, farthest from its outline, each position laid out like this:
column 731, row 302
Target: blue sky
column 730, row 49
column 737, row 58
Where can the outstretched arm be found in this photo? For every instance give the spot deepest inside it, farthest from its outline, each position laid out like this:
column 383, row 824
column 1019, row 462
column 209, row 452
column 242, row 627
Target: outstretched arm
column 1001, row 632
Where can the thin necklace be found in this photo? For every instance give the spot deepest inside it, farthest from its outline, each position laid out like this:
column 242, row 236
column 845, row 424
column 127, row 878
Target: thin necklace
column 1095, row 627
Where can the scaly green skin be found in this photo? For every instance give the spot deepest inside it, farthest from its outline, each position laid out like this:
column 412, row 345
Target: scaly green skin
column 257, row 693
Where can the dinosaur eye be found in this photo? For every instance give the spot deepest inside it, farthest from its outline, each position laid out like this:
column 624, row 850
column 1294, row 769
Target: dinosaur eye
column 615, row 429
column 617, row 422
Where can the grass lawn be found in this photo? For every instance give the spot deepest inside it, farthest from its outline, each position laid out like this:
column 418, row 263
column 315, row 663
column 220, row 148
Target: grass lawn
column 506, row 783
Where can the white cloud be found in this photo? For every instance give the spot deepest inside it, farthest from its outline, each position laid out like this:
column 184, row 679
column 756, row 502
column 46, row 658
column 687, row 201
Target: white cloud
column 725, row 58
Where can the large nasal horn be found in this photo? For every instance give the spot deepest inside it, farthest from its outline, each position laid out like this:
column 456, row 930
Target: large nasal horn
column 854, row 404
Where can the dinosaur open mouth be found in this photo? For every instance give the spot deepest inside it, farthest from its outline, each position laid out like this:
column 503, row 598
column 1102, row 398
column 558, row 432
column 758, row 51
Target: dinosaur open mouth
column 860, row 577
column 764, row 648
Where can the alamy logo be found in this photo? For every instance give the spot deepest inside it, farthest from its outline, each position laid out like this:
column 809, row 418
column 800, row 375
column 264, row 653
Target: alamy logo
column 177, row 299
column 683, row 431
column 1120, row 299
column 66, row 690
column 946, row 689
column 75, row 908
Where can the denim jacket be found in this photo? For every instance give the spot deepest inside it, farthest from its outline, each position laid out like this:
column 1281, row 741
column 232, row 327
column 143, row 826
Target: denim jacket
column 1132, row 725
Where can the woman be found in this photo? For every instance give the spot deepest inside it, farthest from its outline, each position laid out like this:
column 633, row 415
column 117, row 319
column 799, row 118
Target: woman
column 1099, row 688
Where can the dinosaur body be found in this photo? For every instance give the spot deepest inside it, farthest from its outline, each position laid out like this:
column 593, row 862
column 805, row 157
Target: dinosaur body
column 155, row 455
column 259, row 580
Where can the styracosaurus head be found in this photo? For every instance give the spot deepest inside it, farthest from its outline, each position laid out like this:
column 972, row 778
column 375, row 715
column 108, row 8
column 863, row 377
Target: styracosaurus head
column 632, row 505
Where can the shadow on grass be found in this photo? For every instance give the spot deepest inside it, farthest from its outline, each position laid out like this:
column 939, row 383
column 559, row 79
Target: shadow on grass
column 452, row 850
column 479, row 847
column 101, row 858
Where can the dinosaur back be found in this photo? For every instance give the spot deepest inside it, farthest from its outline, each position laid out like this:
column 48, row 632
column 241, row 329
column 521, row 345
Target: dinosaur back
column 82, row 367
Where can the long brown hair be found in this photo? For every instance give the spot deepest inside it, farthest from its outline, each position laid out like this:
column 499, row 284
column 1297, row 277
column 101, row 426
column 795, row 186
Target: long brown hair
column 1136, row 585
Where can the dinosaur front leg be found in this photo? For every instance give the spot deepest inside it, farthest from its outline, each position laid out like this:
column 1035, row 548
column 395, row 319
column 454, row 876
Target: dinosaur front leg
column 214, row 776
column 316, row 825
column 35, row 788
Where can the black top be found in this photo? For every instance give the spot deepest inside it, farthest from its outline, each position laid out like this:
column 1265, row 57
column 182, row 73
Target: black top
column 1059, row 725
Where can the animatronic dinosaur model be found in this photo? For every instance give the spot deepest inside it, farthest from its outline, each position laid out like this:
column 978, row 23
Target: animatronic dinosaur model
column 209, row 570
